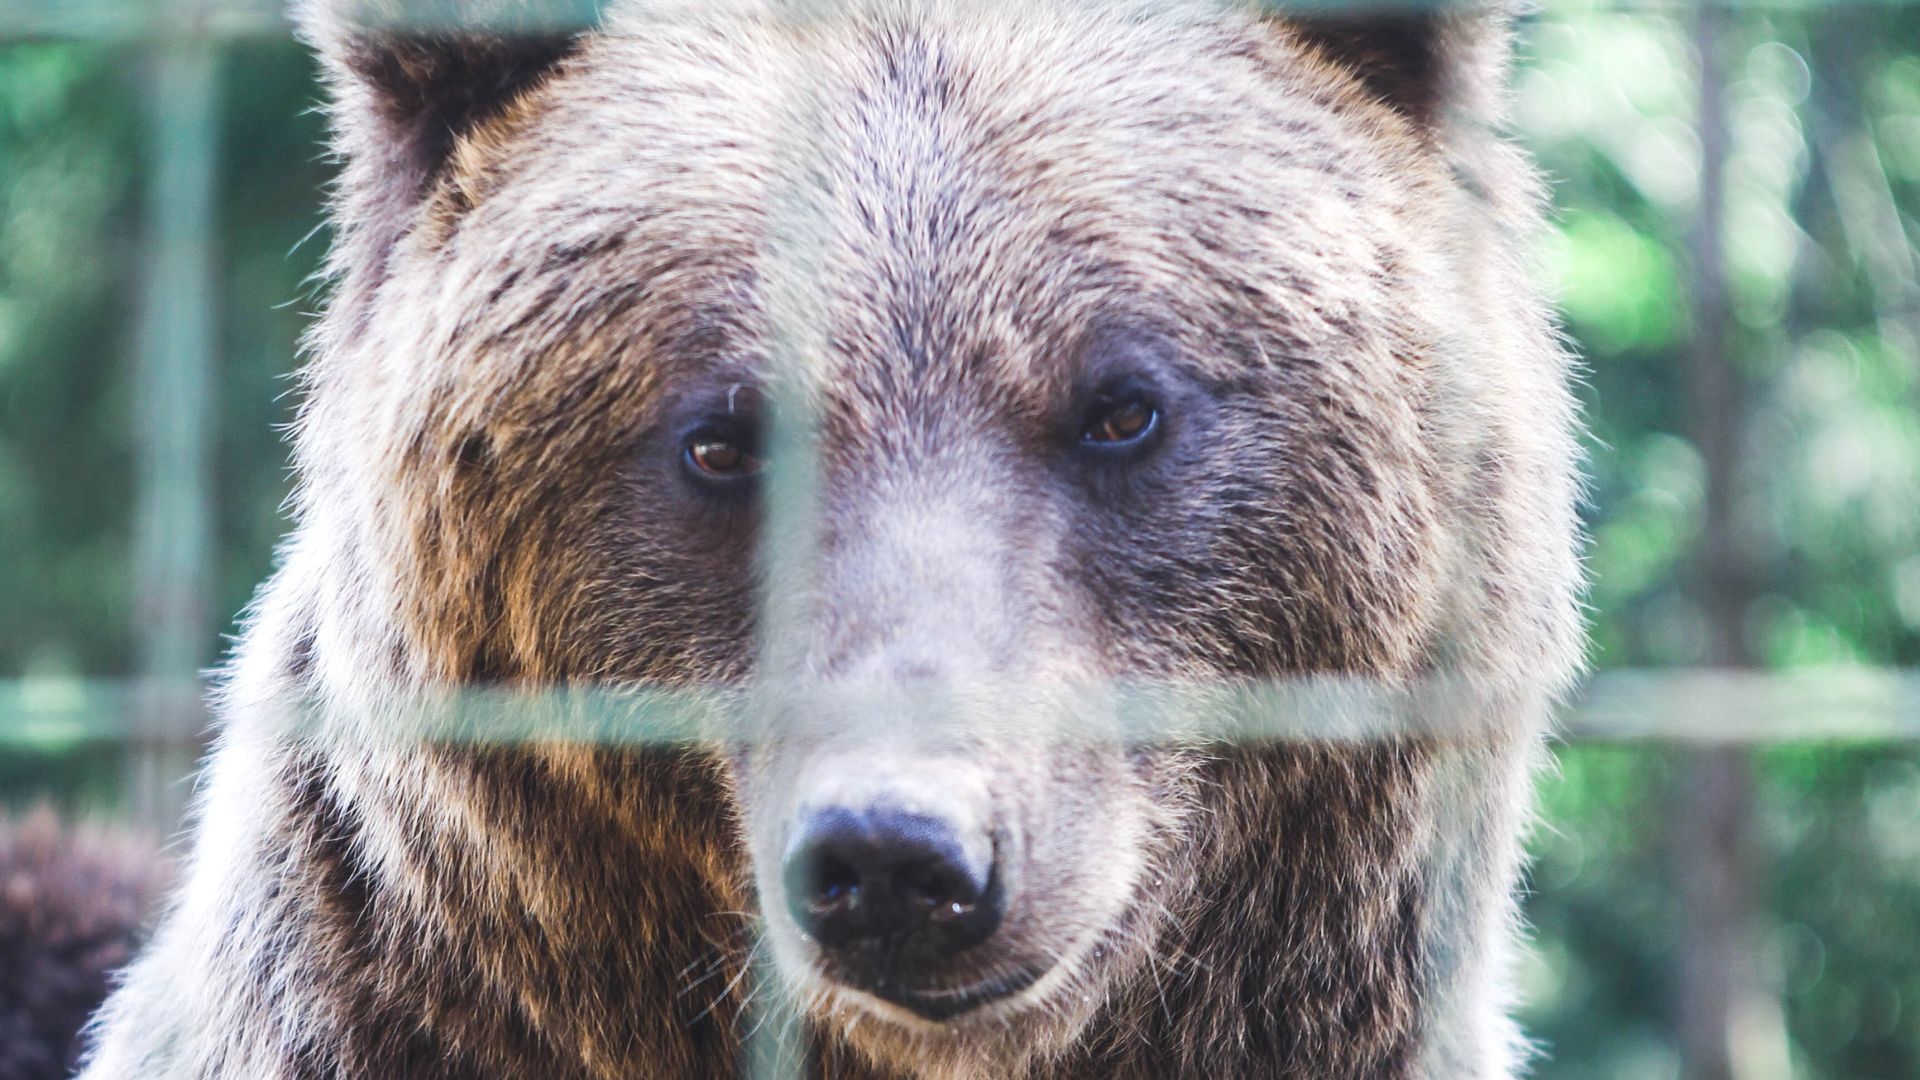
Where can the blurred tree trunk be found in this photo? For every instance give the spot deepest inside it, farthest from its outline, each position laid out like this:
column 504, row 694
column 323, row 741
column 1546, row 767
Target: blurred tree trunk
column 1721, row 989
column 1855, row 184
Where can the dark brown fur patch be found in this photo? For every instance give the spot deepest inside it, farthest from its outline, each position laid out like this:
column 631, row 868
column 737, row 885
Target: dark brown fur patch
column 73, row 904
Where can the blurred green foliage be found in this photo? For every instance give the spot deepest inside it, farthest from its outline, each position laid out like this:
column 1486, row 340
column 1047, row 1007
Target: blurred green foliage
column 1823, row 176
column 1823, row 103
column 1823, row 107
column 73, row 150
column 1840, row 901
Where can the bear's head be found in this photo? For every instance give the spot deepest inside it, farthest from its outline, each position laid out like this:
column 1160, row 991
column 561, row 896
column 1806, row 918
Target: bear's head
column 946, row 376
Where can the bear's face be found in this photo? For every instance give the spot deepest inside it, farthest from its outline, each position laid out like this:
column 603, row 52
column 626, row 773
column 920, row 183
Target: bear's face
column 1003, row 361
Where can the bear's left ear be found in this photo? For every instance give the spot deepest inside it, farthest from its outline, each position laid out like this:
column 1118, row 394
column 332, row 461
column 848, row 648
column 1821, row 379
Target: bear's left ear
column 1432, row 60
column 408, row 78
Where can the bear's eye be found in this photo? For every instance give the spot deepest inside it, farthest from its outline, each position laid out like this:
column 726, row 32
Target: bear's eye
column 720, row 458
column 1118, row 423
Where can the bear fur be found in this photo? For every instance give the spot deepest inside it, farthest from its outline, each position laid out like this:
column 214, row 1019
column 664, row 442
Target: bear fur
column 917, row 234
column 73, row 904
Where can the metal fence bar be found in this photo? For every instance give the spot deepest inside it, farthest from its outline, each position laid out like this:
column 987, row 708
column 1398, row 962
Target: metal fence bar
column 798, row 239
column 138, row 20
column 177, row 333
column 1679, row 707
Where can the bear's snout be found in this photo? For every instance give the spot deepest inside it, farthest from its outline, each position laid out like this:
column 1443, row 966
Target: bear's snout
column 878, row 879
column 901, row 874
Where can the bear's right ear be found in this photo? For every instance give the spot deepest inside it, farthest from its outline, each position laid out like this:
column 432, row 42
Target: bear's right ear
column 408, row 78
column 1432, row 60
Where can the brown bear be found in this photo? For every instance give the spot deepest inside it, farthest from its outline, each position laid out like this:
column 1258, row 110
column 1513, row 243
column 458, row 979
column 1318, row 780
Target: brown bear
column 993, row 407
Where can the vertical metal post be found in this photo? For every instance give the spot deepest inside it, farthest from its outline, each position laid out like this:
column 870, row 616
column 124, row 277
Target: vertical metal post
column 175, row 350
column 778, row 1044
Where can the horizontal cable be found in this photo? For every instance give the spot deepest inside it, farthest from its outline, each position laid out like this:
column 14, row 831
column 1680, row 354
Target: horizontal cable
column 125, row 20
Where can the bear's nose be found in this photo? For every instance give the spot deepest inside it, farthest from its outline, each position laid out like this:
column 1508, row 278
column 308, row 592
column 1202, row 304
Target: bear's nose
column 881, row 876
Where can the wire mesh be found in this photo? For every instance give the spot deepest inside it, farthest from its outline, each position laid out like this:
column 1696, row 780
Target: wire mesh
column 1708, row 707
